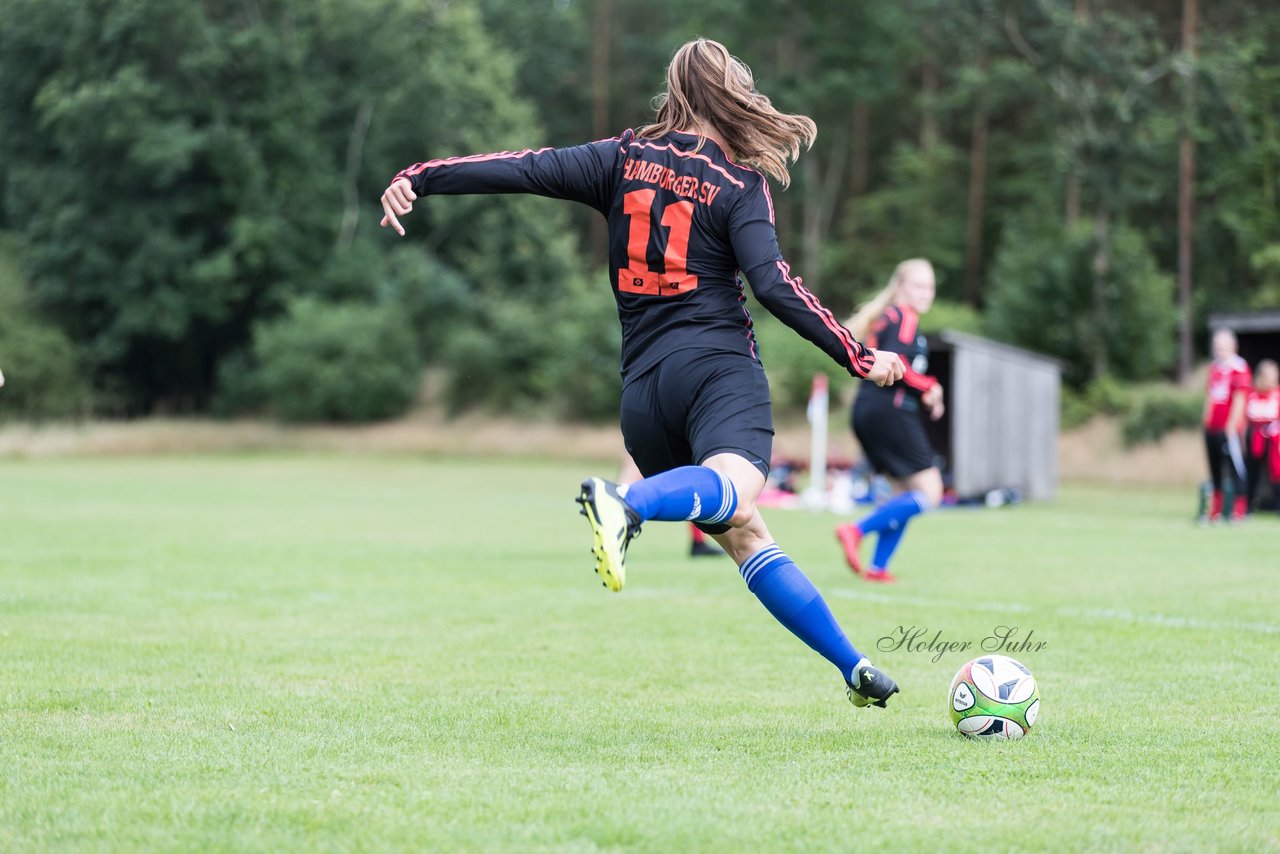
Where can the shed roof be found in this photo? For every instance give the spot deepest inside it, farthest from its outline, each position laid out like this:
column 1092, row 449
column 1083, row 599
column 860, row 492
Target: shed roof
column 966, row 341
column 1246, row 321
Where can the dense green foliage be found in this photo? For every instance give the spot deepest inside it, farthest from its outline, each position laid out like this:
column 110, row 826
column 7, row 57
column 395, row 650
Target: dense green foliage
column 1146, row 411
column 275, row 654
column 177, row 174
column 1158, row 411
column 43, row 374
column 1123, row 326
column 332, row 362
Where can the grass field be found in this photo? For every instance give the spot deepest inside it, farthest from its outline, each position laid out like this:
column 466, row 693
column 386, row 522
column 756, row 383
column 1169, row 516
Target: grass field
column 375, row 653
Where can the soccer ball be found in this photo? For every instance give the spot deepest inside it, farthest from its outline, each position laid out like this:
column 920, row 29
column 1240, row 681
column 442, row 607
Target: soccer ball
column 994, row 697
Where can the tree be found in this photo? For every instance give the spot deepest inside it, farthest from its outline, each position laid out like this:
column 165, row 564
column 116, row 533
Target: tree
column 1186, row 189
column 222, row 155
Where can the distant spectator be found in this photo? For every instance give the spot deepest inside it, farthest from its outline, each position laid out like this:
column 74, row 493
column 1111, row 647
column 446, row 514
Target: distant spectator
column 1224, row 423
column 1262, row 415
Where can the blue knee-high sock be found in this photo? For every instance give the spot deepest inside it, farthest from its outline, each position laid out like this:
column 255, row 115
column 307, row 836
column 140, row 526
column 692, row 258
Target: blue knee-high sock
column 688, row 493
column 887, row 544
column 796, row 603
column 898, row 510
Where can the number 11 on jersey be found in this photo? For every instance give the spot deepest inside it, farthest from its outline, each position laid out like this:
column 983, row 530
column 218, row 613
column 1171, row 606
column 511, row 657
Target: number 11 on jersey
column 637, row 277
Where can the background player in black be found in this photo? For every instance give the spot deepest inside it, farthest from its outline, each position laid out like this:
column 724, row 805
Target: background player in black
column 887, row 420
column 685, row 218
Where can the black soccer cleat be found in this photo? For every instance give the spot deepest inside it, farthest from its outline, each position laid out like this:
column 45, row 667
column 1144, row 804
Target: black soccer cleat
column 705, row 549
column 873, row 688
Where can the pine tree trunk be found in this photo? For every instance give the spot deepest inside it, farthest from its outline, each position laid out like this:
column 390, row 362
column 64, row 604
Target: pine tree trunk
column 601, row 43
column 811, row 224
column 1186, row 194
column 1101, row 272
column 977, row 190
column 860, row 164
column 929, row 90
column 1071, row 209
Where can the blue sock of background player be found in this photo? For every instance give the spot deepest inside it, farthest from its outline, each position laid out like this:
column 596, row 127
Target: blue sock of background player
column 890, row 522
column 701, row 494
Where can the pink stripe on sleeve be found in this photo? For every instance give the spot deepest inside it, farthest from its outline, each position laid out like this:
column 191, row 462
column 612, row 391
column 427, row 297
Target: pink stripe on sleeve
column 418, row 168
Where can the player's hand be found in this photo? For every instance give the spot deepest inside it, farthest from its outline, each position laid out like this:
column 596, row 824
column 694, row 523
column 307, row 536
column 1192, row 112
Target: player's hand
column 397, row 199
column 887, row 368
column 932, row 400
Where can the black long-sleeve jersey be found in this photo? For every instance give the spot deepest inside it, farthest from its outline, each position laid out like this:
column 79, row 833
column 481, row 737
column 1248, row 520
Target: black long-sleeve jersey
column 898, row 331
column 684, row 222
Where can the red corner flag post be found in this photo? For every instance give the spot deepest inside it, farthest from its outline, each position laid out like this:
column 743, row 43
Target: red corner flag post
column 815, row 497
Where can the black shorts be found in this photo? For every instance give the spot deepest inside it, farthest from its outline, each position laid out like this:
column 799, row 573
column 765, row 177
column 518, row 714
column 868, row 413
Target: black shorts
column 695, row 404
column 893, row 439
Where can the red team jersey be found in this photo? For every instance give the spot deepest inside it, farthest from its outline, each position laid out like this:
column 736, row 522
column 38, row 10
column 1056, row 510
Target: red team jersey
column 1262, row 410
column 684, row 222
column 1226, row 379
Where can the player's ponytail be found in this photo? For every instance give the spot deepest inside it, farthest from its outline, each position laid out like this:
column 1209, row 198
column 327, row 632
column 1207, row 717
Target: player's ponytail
column 860, row 323
column 706, row 83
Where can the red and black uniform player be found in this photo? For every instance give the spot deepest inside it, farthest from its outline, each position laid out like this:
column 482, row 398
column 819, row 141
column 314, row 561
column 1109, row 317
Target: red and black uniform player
column 1227, row 386
column 887, row 420
column 1262, row 437
column 685, row 224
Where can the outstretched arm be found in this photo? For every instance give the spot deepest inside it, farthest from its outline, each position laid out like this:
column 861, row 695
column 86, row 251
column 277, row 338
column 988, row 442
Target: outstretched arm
column 755, row 244
column 583, row 173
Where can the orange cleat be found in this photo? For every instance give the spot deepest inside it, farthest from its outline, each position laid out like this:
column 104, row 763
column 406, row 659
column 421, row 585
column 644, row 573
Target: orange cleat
column 850, row 538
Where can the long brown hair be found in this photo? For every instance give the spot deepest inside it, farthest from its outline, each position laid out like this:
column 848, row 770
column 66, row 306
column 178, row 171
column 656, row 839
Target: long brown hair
column 867, row 313
column 706, row 84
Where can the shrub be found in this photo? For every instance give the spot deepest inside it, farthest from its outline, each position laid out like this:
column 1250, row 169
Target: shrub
column 42, row 376
column 42, row 379
column 1076, row 411
column 1103, row 396
column 331, row 362
column 952, row 315
column 585, row 388
column 1108, row 396
column 525, row 355
column 1158, row 411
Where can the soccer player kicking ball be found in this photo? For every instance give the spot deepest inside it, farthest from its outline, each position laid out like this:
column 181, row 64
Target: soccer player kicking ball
column 684, row 219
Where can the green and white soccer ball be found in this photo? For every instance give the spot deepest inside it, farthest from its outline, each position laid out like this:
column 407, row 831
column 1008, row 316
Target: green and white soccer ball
column 994, row 697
